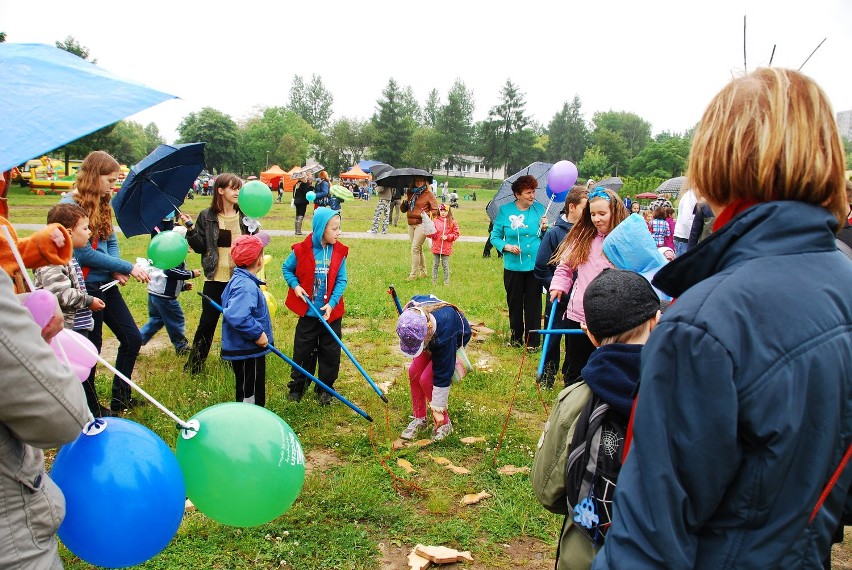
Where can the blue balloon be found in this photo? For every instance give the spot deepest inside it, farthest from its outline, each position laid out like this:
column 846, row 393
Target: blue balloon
column 556, row 196
column 124, row 494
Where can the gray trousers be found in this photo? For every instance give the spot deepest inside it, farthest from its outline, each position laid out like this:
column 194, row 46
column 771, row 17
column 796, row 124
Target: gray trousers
column 444, row 260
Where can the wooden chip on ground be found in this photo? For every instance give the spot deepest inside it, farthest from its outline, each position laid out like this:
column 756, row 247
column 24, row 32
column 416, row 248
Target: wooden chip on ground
column 470, row 439
column 440, row 460
column 457, row 470
column 420, row 443
column 405, row 464
column 473, row 499
column 511, row 470
column 416, row 562
column 442, row 554
column 399, row 444
column 384, row 386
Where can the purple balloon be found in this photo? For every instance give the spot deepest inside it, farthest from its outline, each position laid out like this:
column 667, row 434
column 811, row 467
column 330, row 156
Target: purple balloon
column 562, row 176
column 556, row 196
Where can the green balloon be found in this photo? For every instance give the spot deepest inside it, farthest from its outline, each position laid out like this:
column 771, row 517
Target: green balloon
column 244, row 467
column 167, row 250
column 255, row 199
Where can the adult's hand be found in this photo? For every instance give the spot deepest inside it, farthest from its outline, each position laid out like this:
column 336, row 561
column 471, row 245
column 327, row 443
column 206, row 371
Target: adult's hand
column 57, row 237
column 139, row 274
column 121, row 278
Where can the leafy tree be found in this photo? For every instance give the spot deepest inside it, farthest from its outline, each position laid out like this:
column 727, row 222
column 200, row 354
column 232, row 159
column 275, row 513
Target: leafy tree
column 594, row 163
column 2, row 37
column 71, row 45
column 664, row 159
column 410, row 107
column 635, row 131
column 455, row 125
column 502, row 134
column 424, row 150
column 614, row 147
column 152, row 137
column 282, row 133
column 346, row 144
column 432, row 109
column 221, row 134
column 393, row 125
column 312, row 102
column 567, row 133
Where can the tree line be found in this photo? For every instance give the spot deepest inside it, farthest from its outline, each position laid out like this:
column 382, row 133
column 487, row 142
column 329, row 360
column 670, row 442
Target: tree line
column 402, row 132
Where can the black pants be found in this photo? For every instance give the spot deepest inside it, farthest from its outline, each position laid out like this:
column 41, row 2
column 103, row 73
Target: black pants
column 117, row 317
column 301, row 209
column 314, row 346
column 523, row 298
column 488, row 245
column 552, row 356
column 578, row 350
column 206, row 326
column 250, row 378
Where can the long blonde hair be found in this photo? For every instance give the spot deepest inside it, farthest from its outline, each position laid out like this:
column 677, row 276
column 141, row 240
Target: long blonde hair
column 576, row 246
column 88, row 191
column 770, row 135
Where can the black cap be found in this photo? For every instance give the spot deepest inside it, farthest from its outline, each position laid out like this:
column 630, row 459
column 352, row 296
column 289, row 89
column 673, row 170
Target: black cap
column 617, row 301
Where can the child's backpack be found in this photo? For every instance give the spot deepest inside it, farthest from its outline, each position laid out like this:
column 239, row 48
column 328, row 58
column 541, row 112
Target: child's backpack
column 592, row 468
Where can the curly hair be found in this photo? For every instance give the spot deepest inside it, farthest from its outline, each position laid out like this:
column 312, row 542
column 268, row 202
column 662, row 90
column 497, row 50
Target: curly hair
column 88, row 192
column 574, row 249
column 524, row 182
column 66, row 215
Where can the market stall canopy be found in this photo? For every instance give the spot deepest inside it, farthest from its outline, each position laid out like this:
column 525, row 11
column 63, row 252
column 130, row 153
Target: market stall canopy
column 355, row 173
column 272, row 176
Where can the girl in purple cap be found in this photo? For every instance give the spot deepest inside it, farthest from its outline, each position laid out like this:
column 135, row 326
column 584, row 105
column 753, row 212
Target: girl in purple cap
column 431, row 331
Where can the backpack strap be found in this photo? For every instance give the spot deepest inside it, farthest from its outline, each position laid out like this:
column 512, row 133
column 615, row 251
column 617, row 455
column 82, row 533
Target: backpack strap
column 844, row 248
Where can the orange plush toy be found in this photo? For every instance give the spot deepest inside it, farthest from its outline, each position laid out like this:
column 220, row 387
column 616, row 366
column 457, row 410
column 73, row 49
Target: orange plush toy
column 48, row 246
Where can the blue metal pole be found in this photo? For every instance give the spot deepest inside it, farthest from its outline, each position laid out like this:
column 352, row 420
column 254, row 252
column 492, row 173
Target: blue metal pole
column 393, row 294
column 346, row 350
column 558, row 331
column 290, row 361
column 546, row 342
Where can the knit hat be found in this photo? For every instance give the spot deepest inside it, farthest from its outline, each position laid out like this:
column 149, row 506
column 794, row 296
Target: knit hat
column 617, row 301
column 247, row 248
column 412, row 327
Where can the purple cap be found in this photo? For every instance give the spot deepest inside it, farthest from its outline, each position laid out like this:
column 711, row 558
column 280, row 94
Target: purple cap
column 411, row 328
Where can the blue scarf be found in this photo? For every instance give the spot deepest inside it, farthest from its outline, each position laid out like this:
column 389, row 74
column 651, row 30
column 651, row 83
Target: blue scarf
column 415, row 194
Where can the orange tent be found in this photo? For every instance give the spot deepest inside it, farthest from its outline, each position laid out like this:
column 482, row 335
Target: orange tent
column 274, row 174
column 355, row 173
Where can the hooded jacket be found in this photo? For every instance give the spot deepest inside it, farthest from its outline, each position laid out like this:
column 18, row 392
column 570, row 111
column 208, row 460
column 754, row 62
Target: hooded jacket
column 300, row 268
column 245, row 317
column 446, row 232
column 745, row 406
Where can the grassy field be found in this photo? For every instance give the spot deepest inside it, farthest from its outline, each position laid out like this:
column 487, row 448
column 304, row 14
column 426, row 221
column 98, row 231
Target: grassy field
column 349, row 514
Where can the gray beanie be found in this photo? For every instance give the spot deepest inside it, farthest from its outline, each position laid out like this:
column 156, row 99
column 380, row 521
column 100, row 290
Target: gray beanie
column 617, row 301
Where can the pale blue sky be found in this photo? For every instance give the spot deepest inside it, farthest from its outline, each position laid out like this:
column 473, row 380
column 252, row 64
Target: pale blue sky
column 663, row 59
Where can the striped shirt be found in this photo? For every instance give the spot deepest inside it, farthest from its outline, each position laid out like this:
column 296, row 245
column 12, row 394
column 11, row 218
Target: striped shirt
column 83, row 319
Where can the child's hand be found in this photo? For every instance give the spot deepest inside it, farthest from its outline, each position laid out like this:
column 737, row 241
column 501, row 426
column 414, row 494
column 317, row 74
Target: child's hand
column 187, row 286
column 262, row 341
column 301, row 293
column 555, row 294
column 196, row 273
column 97, row 304
column 57, row 237
column 326, row 309
column 139, row 274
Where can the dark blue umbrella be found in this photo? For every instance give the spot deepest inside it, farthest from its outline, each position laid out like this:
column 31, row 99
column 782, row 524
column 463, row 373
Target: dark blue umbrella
column 157, row 186
column 51, row 97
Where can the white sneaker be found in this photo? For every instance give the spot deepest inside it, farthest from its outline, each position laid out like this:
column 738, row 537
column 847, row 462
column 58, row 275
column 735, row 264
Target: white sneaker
column 372, row 232
column 416, row 425
column 443, row 431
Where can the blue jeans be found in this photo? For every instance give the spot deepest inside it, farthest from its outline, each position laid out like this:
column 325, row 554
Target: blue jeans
column 166, row 312
column 680, row 247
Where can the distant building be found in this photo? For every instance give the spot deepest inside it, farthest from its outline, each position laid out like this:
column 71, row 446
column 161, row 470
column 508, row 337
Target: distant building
column 472, row 168
column 844, row 124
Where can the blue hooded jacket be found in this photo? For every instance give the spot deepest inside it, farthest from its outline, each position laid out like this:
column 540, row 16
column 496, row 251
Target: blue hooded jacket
column 245, row 316
column 745, row 403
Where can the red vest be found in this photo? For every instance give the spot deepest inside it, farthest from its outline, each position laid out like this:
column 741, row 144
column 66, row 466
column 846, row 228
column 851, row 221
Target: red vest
column 305, row 269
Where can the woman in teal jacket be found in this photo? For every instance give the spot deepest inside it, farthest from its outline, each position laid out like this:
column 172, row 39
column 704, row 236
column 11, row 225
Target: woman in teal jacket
column 517, row 232
column 744, row 408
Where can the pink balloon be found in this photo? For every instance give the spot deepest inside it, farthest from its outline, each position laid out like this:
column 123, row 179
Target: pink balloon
column 85, row 357
column 562, row 176
column 41, row 305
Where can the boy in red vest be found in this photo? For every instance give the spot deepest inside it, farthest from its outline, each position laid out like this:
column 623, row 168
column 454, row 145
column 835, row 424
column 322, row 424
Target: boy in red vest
column 316, row 270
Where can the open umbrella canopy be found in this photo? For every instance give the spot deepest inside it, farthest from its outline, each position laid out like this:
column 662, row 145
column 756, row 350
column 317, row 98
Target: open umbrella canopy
column 367, row 165
column 157, row 186
column 306, row 171
column 51, row 97
column 671, row 186
column 504, row 195
column 613, row 183
column 378, row 169
column 402, row 177
column 646, row 196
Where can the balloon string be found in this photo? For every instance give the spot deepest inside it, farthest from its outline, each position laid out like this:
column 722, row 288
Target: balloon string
column 133, row 385
column 14, row 247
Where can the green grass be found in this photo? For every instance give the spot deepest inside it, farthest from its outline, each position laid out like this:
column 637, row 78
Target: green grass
column 349, row 504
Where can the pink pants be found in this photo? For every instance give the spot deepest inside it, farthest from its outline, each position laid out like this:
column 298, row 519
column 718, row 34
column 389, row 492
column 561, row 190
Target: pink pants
column 420, row 379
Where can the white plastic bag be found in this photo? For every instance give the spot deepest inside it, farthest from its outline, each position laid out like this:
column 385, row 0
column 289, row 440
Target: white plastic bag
column 428, row 224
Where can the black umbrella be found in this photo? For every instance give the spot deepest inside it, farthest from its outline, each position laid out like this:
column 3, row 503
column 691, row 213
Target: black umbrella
column 402, row 177
column 378, row 169
column 671, row 186
column 613, row 183
column 504, row 195
column 156, row 186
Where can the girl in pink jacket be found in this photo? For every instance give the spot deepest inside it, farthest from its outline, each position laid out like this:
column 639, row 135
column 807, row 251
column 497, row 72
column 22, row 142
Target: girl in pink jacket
column 580, row 257
column 446, row 232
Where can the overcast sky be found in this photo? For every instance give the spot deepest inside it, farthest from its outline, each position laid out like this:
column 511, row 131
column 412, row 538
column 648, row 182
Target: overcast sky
column 662, row 60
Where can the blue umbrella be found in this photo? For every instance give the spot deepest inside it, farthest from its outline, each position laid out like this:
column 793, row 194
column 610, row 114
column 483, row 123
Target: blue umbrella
column 157, row 186
column 51, row 97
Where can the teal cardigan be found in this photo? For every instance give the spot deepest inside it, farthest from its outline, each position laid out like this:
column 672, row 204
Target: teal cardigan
column 526, row 235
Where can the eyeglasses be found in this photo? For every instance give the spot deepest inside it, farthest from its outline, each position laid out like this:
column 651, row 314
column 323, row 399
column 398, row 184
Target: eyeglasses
column 599, row 192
